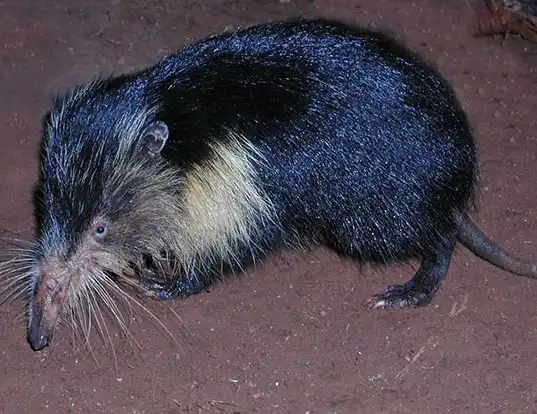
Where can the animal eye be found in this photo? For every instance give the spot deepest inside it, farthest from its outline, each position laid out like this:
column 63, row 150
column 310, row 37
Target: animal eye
column 100, row 231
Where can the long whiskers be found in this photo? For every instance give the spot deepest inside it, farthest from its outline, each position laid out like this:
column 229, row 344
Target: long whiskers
column 16, row 274
column 100, row 293
column 90, row 296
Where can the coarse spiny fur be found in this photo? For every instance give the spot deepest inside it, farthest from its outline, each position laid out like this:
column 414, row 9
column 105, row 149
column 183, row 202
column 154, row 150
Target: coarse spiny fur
column 215, row 205
column 298, row 133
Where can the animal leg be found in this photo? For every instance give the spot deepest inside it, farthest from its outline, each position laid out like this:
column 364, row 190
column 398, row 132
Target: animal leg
column 421, row 289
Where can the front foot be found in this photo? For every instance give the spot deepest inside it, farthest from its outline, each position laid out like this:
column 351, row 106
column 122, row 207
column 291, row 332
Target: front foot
column 409, row 295
column 156, row 289
column 170, row 287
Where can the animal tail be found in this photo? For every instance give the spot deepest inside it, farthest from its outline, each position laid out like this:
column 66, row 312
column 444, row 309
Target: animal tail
column 471, row 236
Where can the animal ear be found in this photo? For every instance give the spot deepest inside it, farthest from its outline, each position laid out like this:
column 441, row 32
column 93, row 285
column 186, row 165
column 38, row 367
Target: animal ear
column 154, row 138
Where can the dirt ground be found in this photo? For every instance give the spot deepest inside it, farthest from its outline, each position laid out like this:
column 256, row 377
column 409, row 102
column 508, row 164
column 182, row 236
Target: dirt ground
column 292, row 336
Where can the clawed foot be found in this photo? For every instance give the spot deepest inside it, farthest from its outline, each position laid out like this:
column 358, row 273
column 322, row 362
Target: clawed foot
column 400, row 296
column 164, row 288
column 157, row 288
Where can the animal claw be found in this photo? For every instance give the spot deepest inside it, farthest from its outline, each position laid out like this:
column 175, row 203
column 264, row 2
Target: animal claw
column 399, row 296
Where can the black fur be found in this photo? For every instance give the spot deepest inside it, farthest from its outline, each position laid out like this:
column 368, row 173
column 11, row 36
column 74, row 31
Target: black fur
column 367, row 149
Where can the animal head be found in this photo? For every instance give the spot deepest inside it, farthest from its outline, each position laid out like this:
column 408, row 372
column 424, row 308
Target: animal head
column 103, row 183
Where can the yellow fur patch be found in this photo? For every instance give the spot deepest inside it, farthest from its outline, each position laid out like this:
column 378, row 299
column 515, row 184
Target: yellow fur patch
column 222, row 203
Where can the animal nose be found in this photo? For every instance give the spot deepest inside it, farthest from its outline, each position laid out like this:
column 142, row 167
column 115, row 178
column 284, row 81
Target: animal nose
column 38, row 340
column 40, row 328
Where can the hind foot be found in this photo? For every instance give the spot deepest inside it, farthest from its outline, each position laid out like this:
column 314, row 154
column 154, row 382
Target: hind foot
column 420, row 290
column 400, row 296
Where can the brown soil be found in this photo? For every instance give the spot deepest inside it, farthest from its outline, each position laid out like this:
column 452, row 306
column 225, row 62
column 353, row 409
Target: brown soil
column 292, row 336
